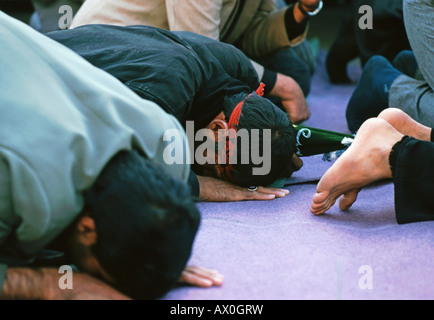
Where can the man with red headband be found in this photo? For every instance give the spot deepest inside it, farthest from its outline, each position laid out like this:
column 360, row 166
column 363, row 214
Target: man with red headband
column 198, row 80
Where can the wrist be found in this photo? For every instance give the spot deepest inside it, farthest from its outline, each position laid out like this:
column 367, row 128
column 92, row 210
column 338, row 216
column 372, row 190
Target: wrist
column 309, row 11
column 284, row 87
column 295, row 22
column 24, row 283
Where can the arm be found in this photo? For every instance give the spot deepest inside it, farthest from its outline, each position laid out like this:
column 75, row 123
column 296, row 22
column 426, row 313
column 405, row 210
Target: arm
column 43, row 284
column 293, row 99
column 23, row 283
column 272, row 29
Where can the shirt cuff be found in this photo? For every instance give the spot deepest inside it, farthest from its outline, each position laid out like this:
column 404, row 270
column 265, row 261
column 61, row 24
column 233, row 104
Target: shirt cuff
column 3, row 269
column 293, row 29
column 269, row 78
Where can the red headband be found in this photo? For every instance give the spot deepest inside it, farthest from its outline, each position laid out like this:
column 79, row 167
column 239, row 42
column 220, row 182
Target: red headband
column 235, row 115
column 233, row 124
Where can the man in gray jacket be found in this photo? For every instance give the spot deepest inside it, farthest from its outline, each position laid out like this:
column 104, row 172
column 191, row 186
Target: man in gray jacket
column 83, row 174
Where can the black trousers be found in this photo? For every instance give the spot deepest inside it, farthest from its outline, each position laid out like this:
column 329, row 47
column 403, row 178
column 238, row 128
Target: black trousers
column 412, row 163
column 388, row 37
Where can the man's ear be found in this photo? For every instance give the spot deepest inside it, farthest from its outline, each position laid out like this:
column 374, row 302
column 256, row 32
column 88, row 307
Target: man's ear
column 216, row 125
column 86, row 230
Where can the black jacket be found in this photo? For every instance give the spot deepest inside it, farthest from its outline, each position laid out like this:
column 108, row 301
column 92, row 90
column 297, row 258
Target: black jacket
column 186, row 74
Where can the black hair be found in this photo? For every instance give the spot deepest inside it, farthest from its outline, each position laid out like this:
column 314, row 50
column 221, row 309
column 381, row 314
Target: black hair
column 260, row 113
column 146, row 222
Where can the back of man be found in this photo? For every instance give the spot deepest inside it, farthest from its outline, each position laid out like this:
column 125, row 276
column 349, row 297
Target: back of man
column 188, row 75
column 62, row 121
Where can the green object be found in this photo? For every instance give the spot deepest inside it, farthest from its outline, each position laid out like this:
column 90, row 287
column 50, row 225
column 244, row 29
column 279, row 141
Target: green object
column 278, row 184
column 313, row 141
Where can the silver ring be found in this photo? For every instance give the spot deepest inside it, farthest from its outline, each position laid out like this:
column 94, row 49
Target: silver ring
column 252, row 189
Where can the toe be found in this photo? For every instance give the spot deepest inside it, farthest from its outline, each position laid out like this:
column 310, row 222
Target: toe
column 347, row 200
column 321, row 203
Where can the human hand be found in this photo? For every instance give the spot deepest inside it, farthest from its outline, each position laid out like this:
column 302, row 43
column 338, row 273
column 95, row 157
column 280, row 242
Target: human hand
column 292, row 98
column 216, row 190
column 201, row 277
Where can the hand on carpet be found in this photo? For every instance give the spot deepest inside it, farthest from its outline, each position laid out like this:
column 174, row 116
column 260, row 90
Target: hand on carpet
column 215, row 190
column 201, row 277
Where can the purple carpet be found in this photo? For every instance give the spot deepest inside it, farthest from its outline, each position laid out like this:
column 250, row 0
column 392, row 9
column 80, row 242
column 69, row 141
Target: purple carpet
column 278, row 250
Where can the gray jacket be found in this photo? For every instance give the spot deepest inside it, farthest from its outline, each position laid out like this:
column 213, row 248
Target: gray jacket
column 61, row 121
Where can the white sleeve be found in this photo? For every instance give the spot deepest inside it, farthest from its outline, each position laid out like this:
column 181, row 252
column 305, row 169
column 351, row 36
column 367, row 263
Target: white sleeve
column 199, row 16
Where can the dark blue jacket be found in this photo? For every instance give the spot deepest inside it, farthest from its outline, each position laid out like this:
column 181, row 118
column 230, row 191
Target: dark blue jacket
column 186, row 74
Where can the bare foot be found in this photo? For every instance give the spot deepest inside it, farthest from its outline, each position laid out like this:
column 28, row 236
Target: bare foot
column 405, row 124
column 366, row 161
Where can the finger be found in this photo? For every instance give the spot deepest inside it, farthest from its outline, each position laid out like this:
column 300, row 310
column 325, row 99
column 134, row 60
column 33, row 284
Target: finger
column 245, row 195
column 249, row 195
column 321, row 203
column 195, row 280
column 280, row 193
column 216, row 278
column 266, row 189
column 202, row 277
column 202, row 271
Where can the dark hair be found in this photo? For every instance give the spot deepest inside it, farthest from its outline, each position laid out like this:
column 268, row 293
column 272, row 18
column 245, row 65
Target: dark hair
column 260, row 113
column 146, row 222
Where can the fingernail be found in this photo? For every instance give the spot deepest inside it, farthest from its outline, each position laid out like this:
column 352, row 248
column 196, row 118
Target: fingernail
column 218, row 277
column 207, row 283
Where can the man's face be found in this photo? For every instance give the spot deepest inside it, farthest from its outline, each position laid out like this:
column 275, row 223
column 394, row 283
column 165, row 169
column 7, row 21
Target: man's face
column 216, row 133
